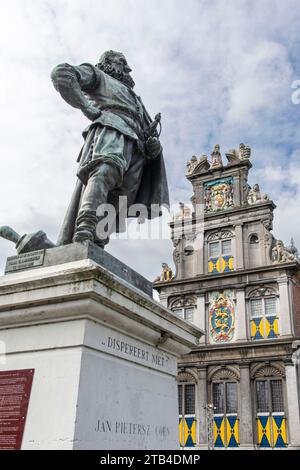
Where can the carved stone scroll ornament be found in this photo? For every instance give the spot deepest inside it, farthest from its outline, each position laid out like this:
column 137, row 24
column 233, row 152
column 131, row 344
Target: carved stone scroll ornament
column 268, row 222
column 191, row 236
column 233, row 157
column 176, row 254
column 202, row 165
column 197, row 166
column 244, row 152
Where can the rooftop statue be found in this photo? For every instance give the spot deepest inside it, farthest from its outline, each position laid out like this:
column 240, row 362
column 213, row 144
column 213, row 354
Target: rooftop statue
column 281, row 254
column 235, row 156
column 121, row 155
column 185, row 212
column 216, row 157
column 255, row 196
column 166, row 275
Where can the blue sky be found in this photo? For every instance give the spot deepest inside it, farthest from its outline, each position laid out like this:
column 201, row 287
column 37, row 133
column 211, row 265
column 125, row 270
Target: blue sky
column 219, row 71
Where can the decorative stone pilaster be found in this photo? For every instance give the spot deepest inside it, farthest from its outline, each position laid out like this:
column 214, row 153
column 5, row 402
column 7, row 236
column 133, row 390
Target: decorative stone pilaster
column 201, row 404
column 245, row 415
column 199, row 314
column 285, row 314
column 239, row 247
column 241, row 316
column 198, row 192
column 292, row 402
column 199, row 251
column 163, row 298
column 236, row 191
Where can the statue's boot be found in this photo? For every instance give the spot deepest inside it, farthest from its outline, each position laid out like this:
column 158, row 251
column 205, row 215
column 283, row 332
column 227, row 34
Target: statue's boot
column 26, row 243
column 103, row 179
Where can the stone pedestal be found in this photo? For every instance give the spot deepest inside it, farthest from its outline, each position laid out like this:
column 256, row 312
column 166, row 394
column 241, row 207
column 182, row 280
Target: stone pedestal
column 104, row 356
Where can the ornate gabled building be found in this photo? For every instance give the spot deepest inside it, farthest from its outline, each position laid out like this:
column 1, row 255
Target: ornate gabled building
column 240, row 387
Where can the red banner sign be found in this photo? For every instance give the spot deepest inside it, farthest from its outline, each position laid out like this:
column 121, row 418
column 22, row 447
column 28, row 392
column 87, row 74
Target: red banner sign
column 15, row 388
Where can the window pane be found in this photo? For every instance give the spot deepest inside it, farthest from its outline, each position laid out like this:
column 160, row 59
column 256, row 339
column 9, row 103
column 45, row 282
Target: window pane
column 277, row 395
column 189, row 314
column 189, row 399
column 218, row 397
column 256, row 308
column 178, row 311
column 226, row 247
column 231, row 397
column 214, row 249
column 180, row 399
column 262, row 396
column 270, row 306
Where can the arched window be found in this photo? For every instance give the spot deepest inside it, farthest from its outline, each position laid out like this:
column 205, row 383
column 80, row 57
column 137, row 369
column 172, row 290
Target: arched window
column 220, row 252
column 263, row 313
column 187, row 410
column 184, row 306
column 253, row 240
column 224, row 397
column 270, row 408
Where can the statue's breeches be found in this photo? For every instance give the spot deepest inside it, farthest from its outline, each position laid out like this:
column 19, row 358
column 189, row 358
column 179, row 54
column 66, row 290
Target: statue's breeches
column 101, row 181
column 105, row 145
column 111, row 166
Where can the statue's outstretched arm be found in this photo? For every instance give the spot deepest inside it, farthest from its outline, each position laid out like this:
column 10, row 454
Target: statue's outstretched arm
column 71, row 81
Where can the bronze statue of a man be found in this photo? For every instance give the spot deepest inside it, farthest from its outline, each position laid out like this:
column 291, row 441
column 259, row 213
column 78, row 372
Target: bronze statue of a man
column 121, row 155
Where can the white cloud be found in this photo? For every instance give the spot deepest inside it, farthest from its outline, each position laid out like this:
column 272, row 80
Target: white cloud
column 220, row 71
column 261, row 81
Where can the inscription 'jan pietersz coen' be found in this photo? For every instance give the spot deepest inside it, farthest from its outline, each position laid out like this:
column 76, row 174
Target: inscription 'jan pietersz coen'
column 139, row 353
column 132, row 429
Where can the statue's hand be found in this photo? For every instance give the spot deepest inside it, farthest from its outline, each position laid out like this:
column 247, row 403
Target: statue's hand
column 91, row 112
column 153, row 147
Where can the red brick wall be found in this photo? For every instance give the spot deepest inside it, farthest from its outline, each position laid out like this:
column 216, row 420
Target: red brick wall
column 296, row 298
